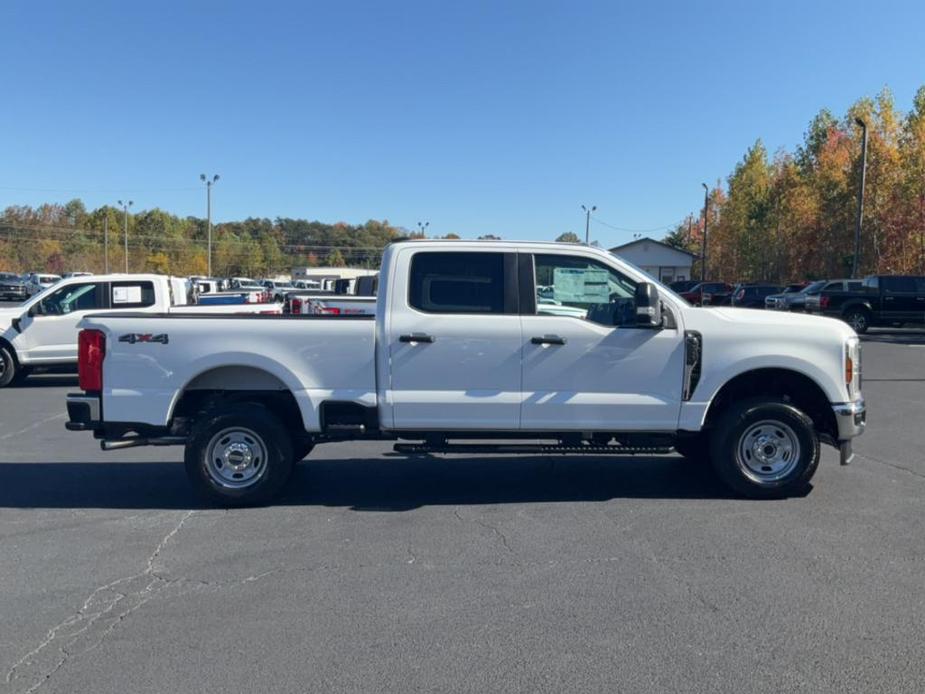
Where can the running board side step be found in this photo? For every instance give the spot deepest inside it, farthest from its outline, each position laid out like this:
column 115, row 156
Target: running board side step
column 530, row 448
column 136, row 441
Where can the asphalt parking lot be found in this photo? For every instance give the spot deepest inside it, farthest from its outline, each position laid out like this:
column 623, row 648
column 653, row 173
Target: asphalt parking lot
column 465, row 573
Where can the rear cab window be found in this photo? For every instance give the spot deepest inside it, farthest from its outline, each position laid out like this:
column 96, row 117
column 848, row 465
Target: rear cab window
column 467, row 283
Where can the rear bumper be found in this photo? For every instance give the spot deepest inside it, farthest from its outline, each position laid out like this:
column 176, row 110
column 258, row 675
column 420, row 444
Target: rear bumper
column 83, row 412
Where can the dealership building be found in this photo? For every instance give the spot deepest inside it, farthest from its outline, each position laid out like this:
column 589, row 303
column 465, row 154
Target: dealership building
column 665, row 263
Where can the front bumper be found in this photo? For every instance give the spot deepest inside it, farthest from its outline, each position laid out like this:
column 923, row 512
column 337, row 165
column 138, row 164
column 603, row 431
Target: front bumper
column 83, row 412
column 851, row 418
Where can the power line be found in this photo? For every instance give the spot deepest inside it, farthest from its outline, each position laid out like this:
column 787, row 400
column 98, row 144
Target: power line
column 664, row 227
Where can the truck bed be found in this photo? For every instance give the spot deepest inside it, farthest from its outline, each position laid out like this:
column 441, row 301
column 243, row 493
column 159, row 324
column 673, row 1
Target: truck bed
column 153, row 358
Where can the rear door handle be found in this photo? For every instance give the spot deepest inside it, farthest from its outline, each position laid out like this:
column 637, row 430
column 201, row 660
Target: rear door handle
column 417, row 337
column 548, row 340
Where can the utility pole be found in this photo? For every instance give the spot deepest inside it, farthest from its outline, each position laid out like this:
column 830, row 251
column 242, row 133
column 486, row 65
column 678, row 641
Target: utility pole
column 706, row 209
column 588, row 222
column 857, row 224
column 209, row 181
column 106, row 243
column 125, row 207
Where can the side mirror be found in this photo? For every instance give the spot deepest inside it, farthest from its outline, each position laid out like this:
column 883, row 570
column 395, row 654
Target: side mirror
column 648, row 306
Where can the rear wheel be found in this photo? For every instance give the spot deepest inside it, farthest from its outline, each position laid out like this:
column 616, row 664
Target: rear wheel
column 239, row 455
column 765, row 449
column 859, row 319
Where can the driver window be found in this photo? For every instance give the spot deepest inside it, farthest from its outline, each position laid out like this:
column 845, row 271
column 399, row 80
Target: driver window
column 74, row 297
column 583, row 288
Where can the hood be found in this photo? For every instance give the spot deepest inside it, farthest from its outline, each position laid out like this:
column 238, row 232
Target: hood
column 752, row 321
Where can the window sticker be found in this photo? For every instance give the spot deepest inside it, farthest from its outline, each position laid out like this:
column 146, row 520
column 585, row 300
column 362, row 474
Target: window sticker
column 581, row 285
column 126, row 295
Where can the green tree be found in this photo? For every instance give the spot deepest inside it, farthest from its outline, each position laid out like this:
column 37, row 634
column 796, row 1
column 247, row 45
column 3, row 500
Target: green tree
column 568, row 237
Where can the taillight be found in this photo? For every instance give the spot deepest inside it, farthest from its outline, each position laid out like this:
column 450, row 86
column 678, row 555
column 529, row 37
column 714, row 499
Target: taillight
column 91, row 348
column 295, row 305
column 824, row 302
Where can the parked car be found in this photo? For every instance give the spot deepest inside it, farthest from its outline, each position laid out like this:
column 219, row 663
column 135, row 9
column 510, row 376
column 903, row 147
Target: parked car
column 753, row 295
column 682, row 286
column 716, row 291
column 814, row 301
column 306, row 284
column 68, row 275
column 882, row 300
column 37, row 282
column 793, row 299
column 43, row 330
column 12, row 287
column 459, row 349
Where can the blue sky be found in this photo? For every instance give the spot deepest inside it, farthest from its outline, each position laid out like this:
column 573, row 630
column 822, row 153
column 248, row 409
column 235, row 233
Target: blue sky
column 479, row 117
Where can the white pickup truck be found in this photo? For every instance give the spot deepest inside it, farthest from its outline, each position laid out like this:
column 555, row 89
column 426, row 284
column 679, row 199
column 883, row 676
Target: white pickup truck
column 460, row 356
column 42, row 331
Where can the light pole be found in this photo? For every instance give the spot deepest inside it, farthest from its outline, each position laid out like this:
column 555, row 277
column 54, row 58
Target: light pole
column 588, row 222
column 125, row 206
column 209, row 181
column 706, row 209
column 857, row 224
column 422, row 227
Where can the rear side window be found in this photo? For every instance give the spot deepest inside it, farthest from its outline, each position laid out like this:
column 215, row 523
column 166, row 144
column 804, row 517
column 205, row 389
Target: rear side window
column 899, row 284
column 131, row 294
column 855, row 286
column 457, row 282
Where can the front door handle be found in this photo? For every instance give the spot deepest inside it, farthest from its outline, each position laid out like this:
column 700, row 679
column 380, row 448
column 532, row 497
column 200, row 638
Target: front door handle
column 548, row 340
column 417, row 337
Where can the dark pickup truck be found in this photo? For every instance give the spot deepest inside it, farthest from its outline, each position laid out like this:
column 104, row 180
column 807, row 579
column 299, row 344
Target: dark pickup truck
column 881, row 300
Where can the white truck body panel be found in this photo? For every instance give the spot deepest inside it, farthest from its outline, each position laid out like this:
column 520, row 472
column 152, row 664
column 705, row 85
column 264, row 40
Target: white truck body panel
column 481, row 372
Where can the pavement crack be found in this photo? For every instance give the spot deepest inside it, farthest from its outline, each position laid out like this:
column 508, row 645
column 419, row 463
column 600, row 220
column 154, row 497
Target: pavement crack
column 891, row 464
column 488, row 526
column 102, row 611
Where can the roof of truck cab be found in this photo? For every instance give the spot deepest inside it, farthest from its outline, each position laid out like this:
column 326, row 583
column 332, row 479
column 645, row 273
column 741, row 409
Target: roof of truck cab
column 123, row 277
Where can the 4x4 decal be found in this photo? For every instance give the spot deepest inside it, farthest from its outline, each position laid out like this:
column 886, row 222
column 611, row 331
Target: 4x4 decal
column 132, row 338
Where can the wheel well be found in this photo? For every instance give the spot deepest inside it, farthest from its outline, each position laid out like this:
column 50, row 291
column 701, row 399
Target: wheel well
column 790, row 386
column 280, row 402
column 856, row 306
column 6, row 343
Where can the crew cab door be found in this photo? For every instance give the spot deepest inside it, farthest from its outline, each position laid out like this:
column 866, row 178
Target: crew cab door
column 49, row 329
column 585, row 364
column 454, row 341
column 900, row 300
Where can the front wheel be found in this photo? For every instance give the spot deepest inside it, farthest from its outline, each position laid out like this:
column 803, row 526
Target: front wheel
column 765, row 449
column 9, row 371
column 239, row 455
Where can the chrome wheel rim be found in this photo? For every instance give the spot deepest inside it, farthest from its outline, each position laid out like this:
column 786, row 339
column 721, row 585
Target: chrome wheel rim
column 858, row 321
column 768, row 451
column 236, row 458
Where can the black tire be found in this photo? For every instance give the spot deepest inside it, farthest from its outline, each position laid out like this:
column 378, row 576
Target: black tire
column 768, row 424
column 695, row 447
column 256, row 441
column 9, row 367
column 859, row 319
